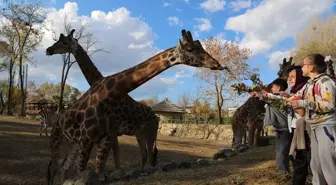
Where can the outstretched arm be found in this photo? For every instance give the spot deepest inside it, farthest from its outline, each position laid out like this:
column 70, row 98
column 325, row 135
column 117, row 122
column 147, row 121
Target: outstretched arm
column 327, row 101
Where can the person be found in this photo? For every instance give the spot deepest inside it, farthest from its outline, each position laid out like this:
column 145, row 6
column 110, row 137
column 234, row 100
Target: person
column 276, row 117
column 319, row 102
column 300, row 157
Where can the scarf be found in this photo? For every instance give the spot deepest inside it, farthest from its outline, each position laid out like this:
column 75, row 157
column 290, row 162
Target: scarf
column 300, row 80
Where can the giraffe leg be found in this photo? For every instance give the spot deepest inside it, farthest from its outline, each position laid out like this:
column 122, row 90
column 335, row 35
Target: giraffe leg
column 55, row 142
column 68, row 161
column 256, row 137
column 238, row 136
column 251, row 130
column 150, row 152
column 115, row 151
column 103, row 149
column 85, row 147
column 143, row 152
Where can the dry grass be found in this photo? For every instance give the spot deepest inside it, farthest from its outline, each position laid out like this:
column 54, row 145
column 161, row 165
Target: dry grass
column 24, row 157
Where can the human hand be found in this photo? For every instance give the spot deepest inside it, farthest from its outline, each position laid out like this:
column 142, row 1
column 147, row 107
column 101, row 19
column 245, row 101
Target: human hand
column 254, row 93
column 285, row 94
column 294, row 103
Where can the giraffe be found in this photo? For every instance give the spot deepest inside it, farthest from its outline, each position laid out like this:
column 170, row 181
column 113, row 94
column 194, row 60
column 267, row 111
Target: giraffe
column 140, row 120
column 93, row 118
column 250, row 114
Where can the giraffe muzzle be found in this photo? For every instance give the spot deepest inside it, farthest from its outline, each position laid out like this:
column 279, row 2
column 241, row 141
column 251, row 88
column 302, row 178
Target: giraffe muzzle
column 49, row 51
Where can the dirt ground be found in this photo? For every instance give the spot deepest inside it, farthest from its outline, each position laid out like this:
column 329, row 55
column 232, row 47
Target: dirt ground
column 24, row 156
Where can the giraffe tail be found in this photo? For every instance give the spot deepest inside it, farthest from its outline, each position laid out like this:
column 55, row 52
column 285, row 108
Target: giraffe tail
column 155, row 154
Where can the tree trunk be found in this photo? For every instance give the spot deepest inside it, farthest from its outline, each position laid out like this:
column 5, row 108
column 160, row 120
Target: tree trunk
column 2, row 104
column 60, row 101
column 22, row 89
column 10, row 88
column 64, row 77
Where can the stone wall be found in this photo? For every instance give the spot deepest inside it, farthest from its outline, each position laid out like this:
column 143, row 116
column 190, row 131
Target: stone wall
column 201, row 131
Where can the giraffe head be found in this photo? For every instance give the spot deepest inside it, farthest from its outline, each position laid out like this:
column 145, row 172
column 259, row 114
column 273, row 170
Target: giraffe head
column 190, row 52
column 284, row 68
column 64, row 44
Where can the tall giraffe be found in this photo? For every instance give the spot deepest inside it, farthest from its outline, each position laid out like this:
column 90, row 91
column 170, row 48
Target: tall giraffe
column 250, row 115
column 93, row 118
column 140, row 120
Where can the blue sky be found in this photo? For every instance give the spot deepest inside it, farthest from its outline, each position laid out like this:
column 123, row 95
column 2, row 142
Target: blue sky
column 268, row 28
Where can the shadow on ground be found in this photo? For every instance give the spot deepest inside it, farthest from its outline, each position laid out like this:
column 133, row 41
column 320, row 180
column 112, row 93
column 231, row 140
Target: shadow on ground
column 24, row 154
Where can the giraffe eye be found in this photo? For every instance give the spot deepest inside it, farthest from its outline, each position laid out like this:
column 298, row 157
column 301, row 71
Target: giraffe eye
column 189, row 49
column 65, row 43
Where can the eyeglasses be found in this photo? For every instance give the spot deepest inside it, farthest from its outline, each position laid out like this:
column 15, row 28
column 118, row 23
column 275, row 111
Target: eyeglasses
column 305, row 64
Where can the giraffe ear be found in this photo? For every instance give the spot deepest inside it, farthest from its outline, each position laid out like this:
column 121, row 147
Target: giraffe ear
column 284, row 61
column 61, row 36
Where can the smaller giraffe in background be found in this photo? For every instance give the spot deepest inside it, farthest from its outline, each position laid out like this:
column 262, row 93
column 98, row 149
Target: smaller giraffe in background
column 330, row 69
column 251, row 114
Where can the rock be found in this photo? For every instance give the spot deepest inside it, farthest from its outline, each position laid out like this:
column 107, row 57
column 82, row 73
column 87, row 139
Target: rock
column 224, row 153
column 116, row 175
column 203, row 162
column 242, row 149
column 219, row 155
column 69, row 182
column 222, row 159
column 172, row 131
column 84, row 178
column 168, row 166
column 149, row 169
column 184, row 164
column 133, row 174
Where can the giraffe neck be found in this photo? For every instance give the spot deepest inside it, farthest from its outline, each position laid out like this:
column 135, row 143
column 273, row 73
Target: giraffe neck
column 129, row 79
column 90, row 71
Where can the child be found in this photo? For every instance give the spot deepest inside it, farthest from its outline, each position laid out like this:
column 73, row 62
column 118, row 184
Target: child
column 278, row 119
column 319, row 102
column 296, row 81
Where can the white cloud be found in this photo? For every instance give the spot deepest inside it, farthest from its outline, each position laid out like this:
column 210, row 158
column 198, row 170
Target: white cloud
column 240, row 4
column 213, row 5
column 178, row 9
column 165, row 4
column 277, row 57
column 174, row 79
column 138, row 35
column 205, row 24
column 128, row 39
column 174, row 21
column 186, row 1
column 272, row 21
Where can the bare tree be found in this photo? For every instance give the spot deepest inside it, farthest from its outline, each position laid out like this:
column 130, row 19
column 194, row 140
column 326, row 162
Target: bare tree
column 22, row 23
column 155, row 99
column 87, row 40
column 184, row 100
column 218, row 82
column 318, row 36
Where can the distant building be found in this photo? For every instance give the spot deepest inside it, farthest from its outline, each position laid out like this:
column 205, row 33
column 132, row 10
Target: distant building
column 188, row 109
column 167, row 110
column 231, row 110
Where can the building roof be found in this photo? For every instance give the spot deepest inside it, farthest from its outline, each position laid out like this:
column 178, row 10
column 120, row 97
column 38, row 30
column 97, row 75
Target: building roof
column 38, row 100
column 167, row 106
